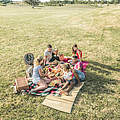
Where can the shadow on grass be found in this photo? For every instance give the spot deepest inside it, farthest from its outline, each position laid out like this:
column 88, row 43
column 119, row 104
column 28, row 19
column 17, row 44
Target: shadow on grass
column 99, row 70
column 104, row 66
column 118, row 60
column 97, row 84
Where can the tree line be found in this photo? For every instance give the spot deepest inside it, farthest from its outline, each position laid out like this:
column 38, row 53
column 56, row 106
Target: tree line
column 34, row 3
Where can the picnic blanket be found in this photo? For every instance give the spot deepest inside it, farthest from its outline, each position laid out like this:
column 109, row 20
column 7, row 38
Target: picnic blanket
column 51, row 89
column 85, row 64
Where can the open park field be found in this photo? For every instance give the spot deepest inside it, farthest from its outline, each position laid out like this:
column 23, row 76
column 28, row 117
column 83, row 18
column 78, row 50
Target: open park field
column 97, row 33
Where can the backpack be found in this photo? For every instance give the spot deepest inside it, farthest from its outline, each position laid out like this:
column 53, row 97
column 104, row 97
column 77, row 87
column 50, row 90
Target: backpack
column 29, row 59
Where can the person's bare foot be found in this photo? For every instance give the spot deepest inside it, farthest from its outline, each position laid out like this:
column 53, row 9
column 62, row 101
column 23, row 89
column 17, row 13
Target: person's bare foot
column 60, row 89
column 66, row 93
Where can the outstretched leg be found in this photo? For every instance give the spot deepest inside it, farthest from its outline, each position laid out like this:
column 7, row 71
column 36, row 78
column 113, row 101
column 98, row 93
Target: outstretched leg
column 70, row 87
column 77, row 77
column 66, row 85
column 42, row 85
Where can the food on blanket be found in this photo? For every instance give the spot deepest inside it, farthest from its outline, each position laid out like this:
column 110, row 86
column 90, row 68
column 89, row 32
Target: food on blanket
column 53, row 83
column 47, row 69
column 50, row 69
column 56, row 71
column 21, row 84
column 58, row 74
column 51, row 75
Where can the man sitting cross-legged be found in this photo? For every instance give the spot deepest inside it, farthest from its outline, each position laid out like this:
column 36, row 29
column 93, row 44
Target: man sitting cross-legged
column 50, row 55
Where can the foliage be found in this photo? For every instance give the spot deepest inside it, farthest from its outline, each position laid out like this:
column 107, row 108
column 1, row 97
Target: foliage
column 32, row 2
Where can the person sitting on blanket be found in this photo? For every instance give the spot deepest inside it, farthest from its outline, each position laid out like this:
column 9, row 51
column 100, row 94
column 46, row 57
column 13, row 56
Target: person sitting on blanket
column 78, row 70
column 50, row 55
column 63, row 59
column 38, row 77
column 77, row 52
column 70, row 81
column 77, row 64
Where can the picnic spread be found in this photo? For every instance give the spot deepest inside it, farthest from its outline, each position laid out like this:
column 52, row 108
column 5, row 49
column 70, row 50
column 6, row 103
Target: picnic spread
column 53, row 87
column 60, row 79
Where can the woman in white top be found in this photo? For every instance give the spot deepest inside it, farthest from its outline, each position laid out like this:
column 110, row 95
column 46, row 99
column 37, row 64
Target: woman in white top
column 38, row 75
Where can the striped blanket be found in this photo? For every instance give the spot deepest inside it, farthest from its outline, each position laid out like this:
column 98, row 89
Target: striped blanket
column 51, row 89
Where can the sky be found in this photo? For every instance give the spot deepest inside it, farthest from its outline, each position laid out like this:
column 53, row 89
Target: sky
column 49, row 0
column 40, row 0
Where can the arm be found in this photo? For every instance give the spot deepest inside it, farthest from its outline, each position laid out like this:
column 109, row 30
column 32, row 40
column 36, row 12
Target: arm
column 41, row 73
column 55, row 52
column 66, row 84
column 71, row 78
column 76, row 76
column 45, row 60
column 80, row 54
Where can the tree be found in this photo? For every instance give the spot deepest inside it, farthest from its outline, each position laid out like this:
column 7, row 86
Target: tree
column 116, row 1
column 107, row 2
column 89, row 2
column 6, row 1
column 33, row 3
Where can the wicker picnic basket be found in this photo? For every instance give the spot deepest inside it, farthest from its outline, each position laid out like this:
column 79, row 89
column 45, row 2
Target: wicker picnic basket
column 21, row 84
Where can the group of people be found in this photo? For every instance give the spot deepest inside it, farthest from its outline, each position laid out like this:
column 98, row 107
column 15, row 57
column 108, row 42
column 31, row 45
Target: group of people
column 71, row 68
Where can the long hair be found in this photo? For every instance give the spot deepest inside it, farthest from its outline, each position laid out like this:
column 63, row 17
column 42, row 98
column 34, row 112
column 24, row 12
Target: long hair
column 74, row 51
column 38, row 60
column 67, row 66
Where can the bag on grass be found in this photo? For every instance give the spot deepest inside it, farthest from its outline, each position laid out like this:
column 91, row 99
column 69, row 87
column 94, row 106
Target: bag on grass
column 29, row 59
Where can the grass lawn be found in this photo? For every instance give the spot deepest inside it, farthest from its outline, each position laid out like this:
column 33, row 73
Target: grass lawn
column 97, row 33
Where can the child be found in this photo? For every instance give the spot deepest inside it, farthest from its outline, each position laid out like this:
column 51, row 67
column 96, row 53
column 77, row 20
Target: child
column 78, row 71
column 38, row 75
column 77, row 64
column 77, row 52
column 63, row 59
column 69, row 80
column 78, row 76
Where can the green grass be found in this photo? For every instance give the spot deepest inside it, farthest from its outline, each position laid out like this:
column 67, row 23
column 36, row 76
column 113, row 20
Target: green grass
column 97, row 33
